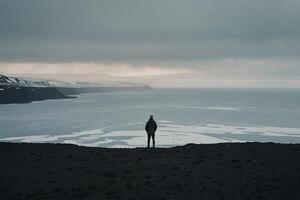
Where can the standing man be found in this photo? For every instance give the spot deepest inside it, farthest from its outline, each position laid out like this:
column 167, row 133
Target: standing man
column 150, row 128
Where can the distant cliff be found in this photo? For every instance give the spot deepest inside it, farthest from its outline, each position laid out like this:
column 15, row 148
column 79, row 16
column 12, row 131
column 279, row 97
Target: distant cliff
column 17, row 90
column 11, row 94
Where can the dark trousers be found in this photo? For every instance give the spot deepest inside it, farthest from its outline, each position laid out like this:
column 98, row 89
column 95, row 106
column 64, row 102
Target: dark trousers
column 153, row 139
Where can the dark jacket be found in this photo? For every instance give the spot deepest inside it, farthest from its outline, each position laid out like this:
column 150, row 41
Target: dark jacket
column 151, row 127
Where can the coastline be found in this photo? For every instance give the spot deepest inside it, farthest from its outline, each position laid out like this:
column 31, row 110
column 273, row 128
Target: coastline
column 193, row 171
column 19, row 91
column 22, row 95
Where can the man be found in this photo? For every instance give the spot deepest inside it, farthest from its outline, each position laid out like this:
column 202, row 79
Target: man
column 150, row 128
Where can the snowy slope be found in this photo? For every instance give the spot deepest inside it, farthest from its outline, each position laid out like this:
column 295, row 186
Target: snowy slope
column 29, row 82
column 5, row 80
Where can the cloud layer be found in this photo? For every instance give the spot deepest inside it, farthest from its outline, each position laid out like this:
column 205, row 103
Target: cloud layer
column 96, row 30
column 257, row 39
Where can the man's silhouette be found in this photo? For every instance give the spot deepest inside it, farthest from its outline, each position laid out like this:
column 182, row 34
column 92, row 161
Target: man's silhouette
column 150, row 129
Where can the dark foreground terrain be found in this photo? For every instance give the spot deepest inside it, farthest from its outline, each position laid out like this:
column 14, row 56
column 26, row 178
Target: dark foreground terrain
column 219, row 171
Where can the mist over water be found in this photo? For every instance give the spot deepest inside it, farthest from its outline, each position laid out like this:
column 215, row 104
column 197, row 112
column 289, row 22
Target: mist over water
column 183, row 116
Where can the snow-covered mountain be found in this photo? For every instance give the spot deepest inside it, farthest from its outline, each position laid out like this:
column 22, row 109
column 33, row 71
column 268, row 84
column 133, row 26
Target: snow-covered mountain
column 25, row 90
column 29, row 82
column 4, row 80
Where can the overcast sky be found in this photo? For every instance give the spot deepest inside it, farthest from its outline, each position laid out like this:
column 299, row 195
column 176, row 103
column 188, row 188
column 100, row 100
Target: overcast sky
column 207, row 42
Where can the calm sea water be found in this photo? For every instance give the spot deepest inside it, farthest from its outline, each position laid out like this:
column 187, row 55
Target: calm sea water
column 183, row 116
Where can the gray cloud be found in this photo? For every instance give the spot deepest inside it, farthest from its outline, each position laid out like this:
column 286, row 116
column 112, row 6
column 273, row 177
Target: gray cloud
column 232, row 42
column 123, row 31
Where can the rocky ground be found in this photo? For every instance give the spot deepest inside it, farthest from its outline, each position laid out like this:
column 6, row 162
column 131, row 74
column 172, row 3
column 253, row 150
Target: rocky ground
column 211, row 171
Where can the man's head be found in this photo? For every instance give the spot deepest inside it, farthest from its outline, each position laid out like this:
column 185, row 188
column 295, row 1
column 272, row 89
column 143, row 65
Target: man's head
column 151, row 116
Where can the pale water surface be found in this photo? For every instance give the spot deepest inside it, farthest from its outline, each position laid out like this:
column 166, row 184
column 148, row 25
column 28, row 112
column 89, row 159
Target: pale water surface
column 183, row 116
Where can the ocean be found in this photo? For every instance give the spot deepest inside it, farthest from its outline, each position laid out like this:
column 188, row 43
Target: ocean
column 183, row 116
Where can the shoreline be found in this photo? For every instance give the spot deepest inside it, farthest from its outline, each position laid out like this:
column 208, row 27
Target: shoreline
column 192, row 171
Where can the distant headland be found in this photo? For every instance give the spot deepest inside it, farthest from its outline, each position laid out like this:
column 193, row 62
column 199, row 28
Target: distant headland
column 24, row 90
